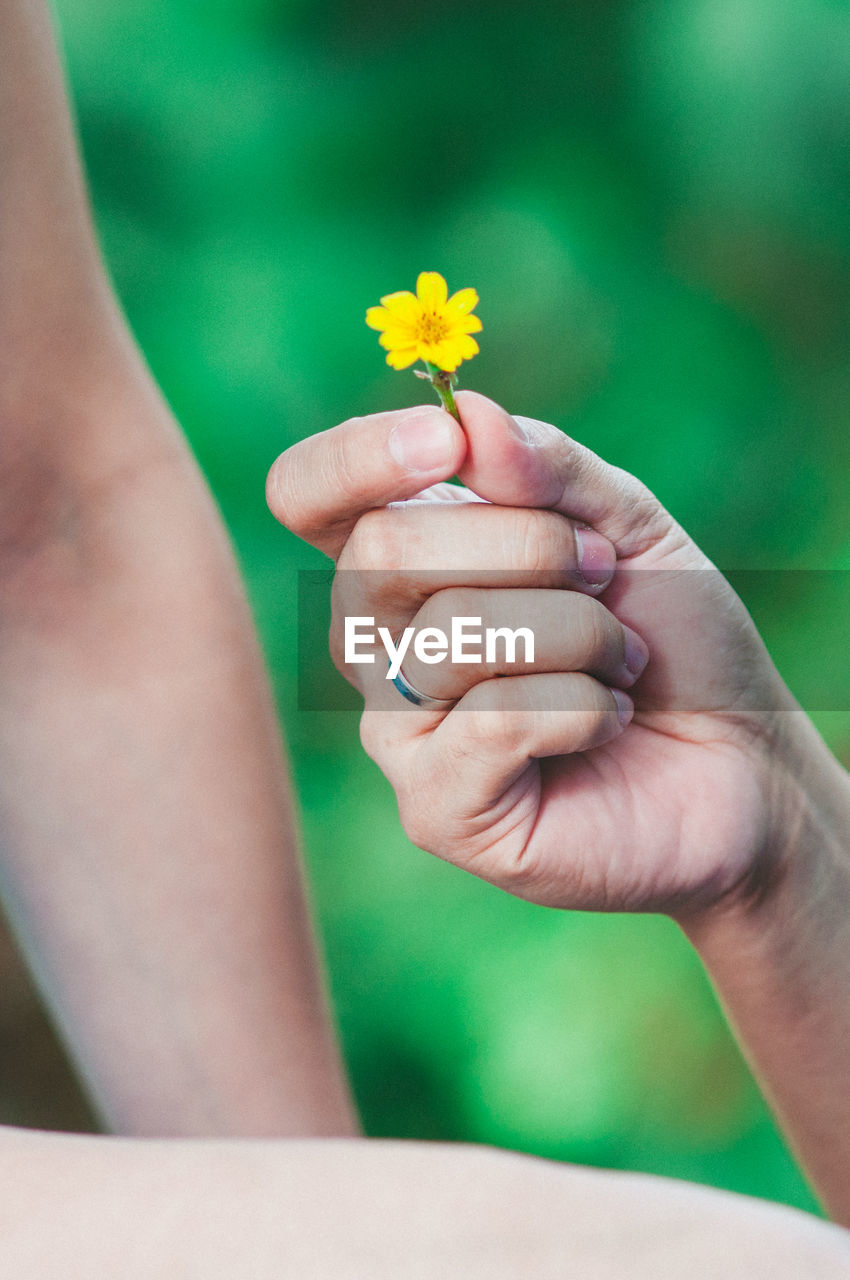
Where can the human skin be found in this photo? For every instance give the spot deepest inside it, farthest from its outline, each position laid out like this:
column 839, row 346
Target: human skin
column 348, row 1209
column 718, row 804
column 149, row 860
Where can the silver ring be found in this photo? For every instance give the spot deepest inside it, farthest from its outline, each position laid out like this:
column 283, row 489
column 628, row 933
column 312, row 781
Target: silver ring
column 420, row 699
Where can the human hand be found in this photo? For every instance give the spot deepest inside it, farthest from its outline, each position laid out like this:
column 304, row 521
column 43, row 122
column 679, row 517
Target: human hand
column 514, row 782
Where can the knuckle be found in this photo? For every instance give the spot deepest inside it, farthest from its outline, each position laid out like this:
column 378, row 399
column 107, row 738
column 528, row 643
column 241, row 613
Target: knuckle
column 373, row 544
column 646, row 509
column 303, row 475
column 282, row 493
column 492, row 722
column 535, row 540
column 632, row 490
column 352, row 595
column 646, row 515
column 447, row 603
column 378, row 739
column 340, row 464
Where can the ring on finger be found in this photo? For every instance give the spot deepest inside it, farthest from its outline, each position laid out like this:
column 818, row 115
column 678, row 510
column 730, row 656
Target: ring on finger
column 418, row 699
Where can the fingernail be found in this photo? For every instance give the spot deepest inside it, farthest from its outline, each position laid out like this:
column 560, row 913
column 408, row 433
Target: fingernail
column 519, row 428
column 636, row 653
column 625, row 707
column 596, row 558
column 423, row 441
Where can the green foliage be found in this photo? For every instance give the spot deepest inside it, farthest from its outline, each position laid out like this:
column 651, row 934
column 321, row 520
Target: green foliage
column 650, row 197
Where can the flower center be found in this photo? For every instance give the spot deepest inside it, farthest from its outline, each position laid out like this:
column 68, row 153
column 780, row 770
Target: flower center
column 432, row 327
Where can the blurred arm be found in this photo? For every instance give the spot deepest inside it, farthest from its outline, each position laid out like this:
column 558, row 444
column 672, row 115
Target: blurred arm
column 148, row 854
column 341, row 1210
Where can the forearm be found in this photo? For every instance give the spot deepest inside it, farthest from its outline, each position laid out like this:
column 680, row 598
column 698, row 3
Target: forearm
column 780, row 959
column 53, row 292
column 148, row 852
column 75, row 399
column 148, row 849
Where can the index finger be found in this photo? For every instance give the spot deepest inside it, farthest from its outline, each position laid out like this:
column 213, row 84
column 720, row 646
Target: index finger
column 519, row 462
column 321, row 486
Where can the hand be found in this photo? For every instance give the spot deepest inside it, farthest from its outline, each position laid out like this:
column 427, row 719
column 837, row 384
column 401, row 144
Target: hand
column 674, row 813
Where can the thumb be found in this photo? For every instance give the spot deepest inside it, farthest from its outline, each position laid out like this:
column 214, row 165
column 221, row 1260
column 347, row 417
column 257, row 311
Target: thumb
column 519, row 462
column 321, row 486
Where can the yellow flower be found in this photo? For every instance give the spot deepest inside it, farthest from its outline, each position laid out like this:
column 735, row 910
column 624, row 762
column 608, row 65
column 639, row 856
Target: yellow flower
column 428, row 325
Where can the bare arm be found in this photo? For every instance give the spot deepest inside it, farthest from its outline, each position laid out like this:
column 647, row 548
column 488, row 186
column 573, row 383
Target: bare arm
column 147, row 845
column 780, row 959
column 339, row 1210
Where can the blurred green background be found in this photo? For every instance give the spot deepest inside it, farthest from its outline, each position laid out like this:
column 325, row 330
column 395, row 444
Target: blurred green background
column 652, row 199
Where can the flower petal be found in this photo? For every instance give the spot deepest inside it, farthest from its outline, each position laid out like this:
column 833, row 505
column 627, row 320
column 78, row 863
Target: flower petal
column 403, row 359
column 431, row 290
column 403, row 306
column 378, row 318
column 397, row 338
column 467, row 346
column 462, row 301
column 467, row 324
column 445, row 355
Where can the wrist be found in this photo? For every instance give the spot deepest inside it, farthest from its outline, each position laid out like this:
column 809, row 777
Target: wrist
column 799, row 873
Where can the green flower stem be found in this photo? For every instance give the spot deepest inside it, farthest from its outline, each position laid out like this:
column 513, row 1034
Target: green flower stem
column 443, row 383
